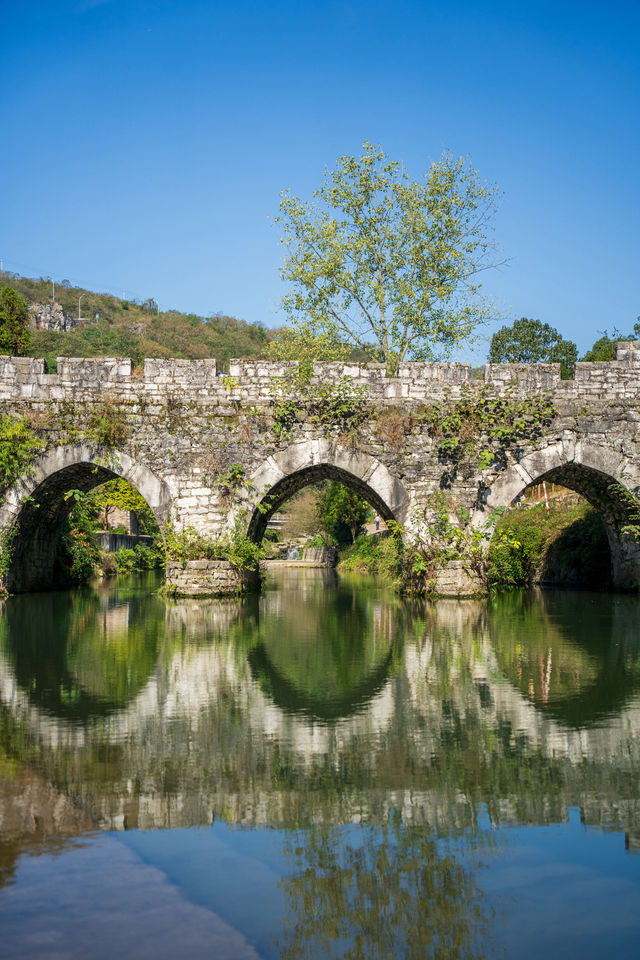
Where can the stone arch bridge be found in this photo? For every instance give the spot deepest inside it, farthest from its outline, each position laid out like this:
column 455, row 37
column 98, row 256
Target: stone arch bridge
column 210, row 452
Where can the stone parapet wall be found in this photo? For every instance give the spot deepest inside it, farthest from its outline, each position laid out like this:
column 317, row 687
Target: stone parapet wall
column 258, row 380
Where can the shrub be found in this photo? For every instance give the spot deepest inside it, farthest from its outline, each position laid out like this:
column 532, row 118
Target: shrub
column 108, row 426
column 374, row 554
column 19, row 442
column 568, row 537
column 141, row 557
column 15, row 335
column 188, row 544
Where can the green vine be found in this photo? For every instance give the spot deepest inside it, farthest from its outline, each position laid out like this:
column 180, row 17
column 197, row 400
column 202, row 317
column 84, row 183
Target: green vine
column 631, row 502
column 6, row 554
column 443, row 534
column 229, row 481
column 20, row 441
column 341, row 405
column 466, row 428
column 108, row 425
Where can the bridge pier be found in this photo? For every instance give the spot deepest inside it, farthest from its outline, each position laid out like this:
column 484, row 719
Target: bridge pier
column 458, row 579
column 208, row 578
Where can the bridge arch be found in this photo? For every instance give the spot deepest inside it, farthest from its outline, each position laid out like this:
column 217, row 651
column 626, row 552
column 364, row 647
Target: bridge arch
column 285, row 473
column 35, row 508
column 598, row 473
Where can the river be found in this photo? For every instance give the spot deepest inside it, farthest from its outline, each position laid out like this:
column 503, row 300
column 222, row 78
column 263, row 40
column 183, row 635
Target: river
column 323, row 771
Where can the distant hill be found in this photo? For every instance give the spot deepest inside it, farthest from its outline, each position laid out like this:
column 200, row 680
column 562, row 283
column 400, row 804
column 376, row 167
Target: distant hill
column 110, row 326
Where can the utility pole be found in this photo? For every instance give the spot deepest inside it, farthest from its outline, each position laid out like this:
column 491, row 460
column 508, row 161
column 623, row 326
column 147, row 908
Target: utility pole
column 53, row 293
column 79, row 299
column 1, row 266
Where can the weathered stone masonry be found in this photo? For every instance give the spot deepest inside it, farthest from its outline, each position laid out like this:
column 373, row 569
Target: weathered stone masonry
column 208, row 451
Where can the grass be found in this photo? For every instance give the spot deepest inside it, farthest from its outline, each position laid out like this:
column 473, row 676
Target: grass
column 567, row 544
column 375, row 554
column 127, row 328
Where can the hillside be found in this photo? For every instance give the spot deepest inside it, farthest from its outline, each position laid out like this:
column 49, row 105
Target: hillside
column 127, row 328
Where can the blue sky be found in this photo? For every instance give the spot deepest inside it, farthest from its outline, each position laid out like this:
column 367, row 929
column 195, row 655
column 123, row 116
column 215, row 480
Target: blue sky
column 146, row 143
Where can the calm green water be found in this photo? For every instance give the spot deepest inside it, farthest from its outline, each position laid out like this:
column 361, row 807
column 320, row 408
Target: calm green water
column 324, row 771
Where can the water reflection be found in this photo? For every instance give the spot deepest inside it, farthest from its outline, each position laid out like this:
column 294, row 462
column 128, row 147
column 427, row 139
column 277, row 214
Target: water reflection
column 315, row 706
column 155, row 712
column 390, row 892
column 577, row 655
column 82, row 655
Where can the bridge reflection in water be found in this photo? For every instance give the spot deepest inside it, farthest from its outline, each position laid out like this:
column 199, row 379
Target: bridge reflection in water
column 272, row 693
column 316, row 706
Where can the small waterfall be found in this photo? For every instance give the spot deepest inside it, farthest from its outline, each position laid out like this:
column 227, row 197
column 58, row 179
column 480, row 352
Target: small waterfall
column 293, row 553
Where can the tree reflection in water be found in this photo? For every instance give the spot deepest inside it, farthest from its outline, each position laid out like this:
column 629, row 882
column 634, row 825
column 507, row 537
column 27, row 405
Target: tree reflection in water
column 390, row 891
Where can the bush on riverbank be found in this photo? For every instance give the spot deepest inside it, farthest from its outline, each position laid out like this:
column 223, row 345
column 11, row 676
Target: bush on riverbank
column 375, row 554
column 141, row 557
column 565, row 545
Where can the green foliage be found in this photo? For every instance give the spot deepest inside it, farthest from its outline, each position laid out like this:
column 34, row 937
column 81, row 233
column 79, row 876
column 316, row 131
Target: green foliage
column 19, row 443
column 376, row 555
column 571, row 536
column 340, row 405
column 188, row 544
column 6, row 554
column 108, row 425
column 441, row 535
column 78, row 553
column 385, row 263
column 602, row 349
column 631, row 503
column 15, row 335
column 231, row 479
column 320, row 540
column 470, row 423
column 306, row 344
column 341, row 512
column 530, row 341
column 129, row 329
column 141, row 557
column 121, row 494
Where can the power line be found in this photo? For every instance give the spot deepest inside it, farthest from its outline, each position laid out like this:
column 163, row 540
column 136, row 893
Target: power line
column 38, row 272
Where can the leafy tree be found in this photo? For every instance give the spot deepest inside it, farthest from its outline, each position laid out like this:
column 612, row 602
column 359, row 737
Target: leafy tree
column 388, row 264
column 531, row 341
column 15, row 335
column 602, row 349
column 120, row 494
column 341, row 511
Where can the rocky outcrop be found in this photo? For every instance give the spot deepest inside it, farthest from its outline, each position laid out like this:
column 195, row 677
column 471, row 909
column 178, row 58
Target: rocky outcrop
column 51, row 316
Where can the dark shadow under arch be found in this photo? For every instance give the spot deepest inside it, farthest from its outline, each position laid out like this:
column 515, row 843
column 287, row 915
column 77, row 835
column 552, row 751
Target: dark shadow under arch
column 291, row 484
column 612, row 502
column 36, row 531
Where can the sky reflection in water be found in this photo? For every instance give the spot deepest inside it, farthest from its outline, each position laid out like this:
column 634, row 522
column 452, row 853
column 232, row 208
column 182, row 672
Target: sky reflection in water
column 323, row 771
